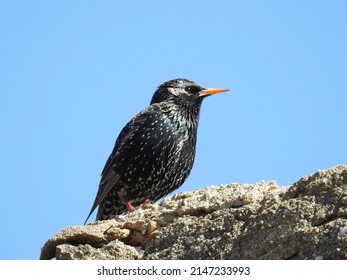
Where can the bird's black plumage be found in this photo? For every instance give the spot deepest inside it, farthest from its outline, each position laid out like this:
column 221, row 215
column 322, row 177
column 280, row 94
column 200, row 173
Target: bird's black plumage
column 154, row 153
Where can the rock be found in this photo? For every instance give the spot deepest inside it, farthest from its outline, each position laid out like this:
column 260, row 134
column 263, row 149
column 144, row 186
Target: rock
column 307, row 220
column 114, row 250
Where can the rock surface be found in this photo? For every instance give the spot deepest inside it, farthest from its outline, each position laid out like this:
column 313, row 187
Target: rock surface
column 308, row 220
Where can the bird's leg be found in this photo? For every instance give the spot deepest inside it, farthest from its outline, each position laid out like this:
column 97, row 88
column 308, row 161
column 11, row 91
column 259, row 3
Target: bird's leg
column 130, row 207
column 127, row 203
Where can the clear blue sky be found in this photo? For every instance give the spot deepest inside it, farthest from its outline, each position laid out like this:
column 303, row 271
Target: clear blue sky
column 72, row 73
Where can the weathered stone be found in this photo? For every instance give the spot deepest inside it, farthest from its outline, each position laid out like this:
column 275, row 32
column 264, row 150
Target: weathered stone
column 238, row 221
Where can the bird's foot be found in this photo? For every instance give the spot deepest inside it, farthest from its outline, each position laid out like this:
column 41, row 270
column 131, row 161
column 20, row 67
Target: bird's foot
column 146, row 202
column 133, row 208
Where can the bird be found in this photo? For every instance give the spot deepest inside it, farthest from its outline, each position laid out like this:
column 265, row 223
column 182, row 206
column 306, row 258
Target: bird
column 154, row 152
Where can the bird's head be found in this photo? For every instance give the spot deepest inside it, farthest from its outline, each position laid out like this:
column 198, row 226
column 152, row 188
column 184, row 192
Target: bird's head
column 182, row 90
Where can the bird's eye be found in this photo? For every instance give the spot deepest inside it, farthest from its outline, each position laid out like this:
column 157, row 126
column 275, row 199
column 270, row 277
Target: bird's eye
column 193, row 89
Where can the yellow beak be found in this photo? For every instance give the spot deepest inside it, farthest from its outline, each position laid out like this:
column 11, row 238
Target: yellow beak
column 209, row 91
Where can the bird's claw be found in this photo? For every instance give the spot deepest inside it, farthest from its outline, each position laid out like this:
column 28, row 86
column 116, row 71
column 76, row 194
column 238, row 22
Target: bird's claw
column 133, row 208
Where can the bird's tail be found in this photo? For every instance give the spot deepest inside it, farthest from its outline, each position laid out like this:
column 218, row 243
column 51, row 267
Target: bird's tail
column 106, row 192
column 110, row 207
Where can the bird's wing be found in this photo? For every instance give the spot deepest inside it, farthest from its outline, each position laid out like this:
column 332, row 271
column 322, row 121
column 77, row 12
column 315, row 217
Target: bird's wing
column 109, row 176
column 130, row 136
column 123, row 135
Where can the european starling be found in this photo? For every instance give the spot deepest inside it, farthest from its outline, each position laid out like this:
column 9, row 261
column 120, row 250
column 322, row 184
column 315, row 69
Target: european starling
column 154, row 153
